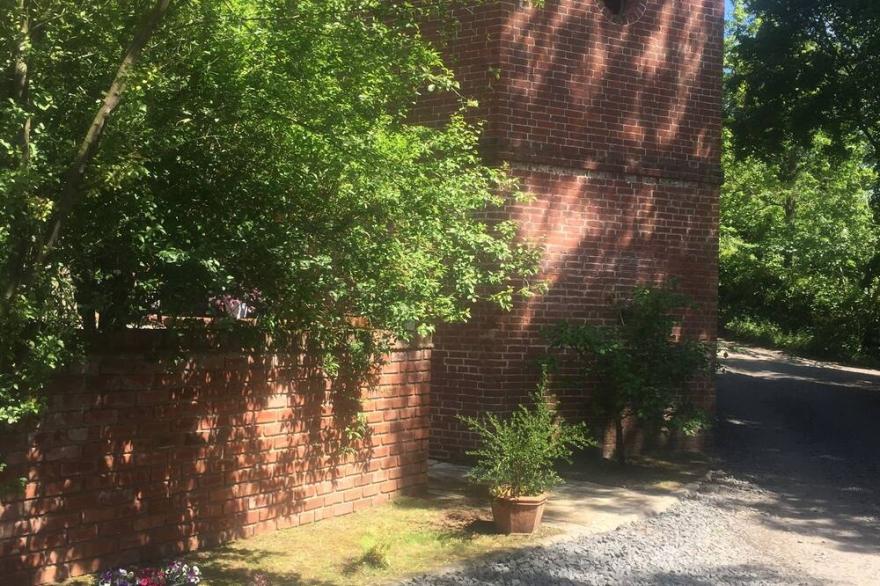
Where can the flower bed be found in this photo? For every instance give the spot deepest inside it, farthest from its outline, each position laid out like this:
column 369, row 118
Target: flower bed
column 174, row 574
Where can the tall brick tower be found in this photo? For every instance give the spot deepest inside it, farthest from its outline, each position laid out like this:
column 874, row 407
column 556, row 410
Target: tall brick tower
column 609, row 112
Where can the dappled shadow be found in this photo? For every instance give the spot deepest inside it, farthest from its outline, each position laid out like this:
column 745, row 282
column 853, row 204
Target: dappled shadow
column 650, row 474
column 590, row 497
column 616, row 131
column 738, row 574
column 808, row 435
column 160, row 445
column 769, row 365
column 223, row 568
column 575, row 566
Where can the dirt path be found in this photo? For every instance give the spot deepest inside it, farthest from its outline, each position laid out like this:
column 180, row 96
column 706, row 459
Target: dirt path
column 806, row 436
column 796, row 499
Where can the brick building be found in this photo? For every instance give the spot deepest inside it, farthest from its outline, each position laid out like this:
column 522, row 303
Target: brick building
column 609, row 112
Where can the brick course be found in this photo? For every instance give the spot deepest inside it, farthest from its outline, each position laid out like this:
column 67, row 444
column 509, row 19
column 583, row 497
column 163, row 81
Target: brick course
column 613, row 123
column 140, row 457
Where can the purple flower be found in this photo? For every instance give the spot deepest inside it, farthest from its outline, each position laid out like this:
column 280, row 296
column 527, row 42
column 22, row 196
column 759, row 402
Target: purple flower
column 176, row 573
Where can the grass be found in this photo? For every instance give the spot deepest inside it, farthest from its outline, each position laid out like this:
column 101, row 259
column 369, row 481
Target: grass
column 801, row 343
column 405, row 537
column 764, row 332
column 412, row 535
column 379, row 545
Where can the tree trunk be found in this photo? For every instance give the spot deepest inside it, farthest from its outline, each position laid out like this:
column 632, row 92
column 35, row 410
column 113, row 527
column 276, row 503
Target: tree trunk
column 20, row 236
column 619, row 443
column 790, row 171
column 71, row 190
column 21, row 90
column 789, row 207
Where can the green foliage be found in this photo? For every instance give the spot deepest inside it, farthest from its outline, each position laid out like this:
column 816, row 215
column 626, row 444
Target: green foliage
column 642, row 369
column 768, row 333
column 35, row 341
column 798, row 243
column 802, row 68
column 263, row 150
column 518, row 454
column 799, row 264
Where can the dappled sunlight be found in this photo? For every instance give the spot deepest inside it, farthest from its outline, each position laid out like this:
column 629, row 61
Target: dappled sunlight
column 580, row 90
column 613, row 125
column 775, row 365
column 569, row 68
column 769, row 374
column 805, row 434
column 142, row 455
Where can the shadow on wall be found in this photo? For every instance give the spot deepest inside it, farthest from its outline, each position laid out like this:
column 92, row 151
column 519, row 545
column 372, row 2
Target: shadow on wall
column 579, row 89
column 621, row 145
column 616, row 130
column 141, row 455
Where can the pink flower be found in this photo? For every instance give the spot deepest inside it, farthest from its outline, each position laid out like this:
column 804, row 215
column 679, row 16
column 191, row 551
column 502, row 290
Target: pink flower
column 151, row 577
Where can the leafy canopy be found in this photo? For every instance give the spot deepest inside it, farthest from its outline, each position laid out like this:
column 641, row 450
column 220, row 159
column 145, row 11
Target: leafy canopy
column 799, row 261
column 802, row 67
column 262, row 149
column 797, row 253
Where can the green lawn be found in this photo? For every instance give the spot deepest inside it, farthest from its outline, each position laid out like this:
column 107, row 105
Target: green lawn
column 407, row 536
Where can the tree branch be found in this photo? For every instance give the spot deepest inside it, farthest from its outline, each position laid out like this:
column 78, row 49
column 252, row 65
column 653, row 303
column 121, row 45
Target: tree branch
column 71, row 190
column 21, row 89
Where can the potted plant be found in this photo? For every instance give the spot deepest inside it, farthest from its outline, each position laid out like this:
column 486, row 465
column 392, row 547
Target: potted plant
column 517, row 458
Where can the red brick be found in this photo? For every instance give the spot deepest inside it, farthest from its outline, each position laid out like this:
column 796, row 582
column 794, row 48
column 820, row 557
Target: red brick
column 614, row 126
column 615, row 129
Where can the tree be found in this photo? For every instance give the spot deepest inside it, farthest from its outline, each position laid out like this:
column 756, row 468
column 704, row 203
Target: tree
column 260, row 149
column 799, row 260
column 802, row 67
column 796, row 246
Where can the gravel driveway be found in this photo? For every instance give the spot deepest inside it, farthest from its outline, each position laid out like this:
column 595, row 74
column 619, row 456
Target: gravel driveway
column 797, row 500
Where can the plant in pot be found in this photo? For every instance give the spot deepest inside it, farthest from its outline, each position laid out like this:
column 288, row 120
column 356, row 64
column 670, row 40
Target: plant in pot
column 517, row 458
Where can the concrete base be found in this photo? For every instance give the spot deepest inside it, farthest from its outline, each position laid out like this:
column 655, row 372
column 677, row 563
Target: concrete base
column 578, row 506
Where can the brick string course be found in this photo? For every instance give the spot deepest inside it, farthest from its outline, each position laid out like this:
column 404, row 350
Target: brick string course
column 140, row 457
column 613, row 123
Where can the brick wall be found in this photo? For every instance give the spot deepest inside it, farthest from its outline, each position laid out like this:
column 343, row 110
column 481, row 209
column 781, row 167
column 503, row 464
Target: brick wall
column 140, row 456
column 614, row 124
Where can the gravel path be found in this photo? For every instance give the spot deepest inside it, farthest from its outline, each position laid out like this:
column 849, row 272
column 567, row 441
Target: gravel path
column 798, row 501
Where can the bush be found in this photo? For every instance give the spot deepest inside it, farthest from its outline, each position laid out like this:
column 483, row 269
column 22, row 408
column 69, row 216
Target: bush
column 518, row 454
column 763, row 331
column 275, row 160
column 643, row 370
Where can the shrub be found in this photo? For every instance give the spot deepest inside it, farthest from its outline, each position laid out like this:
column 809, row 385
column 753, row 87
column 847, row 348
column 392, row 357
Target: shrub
column 518, row 454
column 763, row 331
column 276, row 160
column 643, row 370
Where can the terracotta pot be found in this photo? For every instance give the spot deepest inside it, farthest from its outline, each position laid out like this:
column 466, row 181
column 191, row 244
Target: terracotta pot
column 518, row 515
